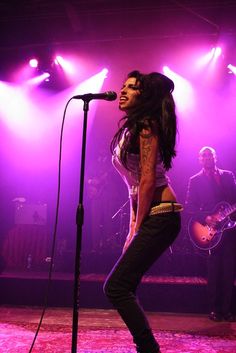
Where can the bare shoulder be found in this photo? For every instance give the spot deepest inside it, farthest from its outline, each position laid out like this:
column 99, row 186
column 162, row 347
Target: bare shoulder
column 149, row 129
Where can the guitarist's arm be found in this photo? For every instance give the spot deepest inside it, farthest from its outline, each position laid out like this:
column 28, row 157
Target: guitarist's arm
column 192, row 203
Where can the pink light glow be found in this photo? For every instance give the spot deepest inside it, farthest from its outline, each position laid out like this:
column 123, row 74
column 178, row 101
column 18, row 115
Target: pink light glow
column 33, row 63
column 217, row 52
column 232, row 69
column 205, row 59
column 183, row 92
column 105, row 72
column 30, row 139
column 209, row 58
column 32, row 122
column 18, row 112
column 22, row 74
column 93, row 84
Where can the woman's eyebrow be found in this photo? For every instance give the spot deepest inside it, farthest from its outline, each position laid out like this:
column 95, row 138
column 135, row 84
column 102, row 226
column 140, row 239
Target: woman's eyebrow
column 130, row 85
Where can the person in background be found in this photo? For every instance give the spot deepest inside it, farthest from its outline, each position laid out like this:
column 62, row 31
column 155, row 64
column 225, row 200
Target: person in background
column 143, row 149
column 207, row 191
column 97, row 202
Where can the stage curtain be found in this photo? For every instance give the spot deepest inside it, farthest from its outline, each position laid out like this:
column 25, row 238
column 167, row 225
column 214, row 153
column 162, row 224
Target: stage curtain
column 24, row 240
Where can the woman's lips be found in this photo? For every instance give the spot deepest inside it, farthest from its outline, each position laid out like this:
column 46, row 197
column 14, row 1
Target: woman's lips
column 123, row 99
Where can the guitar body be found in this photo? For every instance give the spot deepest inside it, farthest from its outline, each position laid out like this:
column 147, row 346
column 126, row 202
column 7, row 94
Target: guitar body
column 205, row 236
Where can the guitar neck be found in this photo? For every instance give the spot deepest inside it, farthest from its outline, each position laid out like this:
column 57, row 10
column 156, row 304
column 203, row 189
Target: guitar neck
column 229, row 210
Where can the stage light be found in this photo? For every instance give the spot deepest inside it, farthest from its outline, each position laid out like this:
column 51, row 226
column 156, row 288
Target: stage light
column 104, row 72
column 33, row 63
column 232, row 69
column 58, row 60
column 64, row 64
column 210, row 57
column 217, row 52
column 46, row 76
column 205, row 59
column 39, row 79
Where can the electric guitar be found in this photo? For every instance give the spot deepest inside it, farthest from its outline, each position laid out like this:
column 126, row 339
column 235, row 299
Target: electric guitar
column 205, row 230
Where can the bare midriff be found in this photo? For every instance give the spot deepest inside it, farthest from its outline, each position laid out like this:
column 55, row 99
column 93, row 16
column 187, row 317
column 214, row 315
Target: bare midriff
column 164, row 193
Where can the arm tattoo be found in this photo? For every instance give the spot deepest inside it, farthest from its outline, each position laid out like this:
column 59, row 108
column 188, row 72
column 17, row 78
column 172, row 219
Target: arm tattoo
column 146, row 155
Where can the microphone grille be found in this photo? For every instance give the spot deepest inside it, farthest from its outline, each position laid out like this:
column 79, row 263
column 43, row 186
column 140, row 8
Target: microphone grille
column 111, row 95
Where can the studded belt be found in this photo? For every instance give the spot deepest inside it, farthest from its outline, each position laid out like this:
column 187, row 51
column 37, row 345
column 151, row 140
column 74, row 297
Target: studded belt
column 166, row 207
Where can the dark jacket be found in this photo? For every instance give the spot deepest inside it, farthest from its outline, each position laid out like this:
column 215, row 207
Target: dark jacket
column 204, row 193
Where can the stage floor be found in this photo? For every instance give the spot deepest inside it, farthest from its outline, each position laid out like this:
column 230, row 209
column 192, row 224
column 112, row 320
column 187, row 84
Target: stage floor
column 157, row 293
column 102, row 331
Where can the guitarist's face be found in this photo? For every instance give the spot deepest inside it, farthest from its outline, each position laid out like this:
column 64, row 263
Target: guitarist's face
column 207, row 159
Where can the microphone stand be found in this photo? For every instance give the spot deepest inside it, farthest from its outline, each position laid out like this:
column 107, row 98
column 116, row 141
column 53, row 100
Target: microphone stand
column 79, row 223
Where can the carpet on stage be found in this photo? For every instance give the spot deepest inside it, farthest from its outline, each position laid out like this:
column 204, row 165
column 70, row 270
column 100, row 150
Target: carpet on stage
column 102, row 331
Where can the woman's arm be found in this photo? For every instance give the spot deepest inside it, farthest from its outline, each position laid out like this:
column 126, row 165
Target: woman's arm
column 148, row 158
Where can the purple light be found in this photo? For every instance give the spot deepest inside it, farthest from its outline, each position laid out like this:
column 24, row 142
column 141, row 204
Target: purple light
column 33, row 63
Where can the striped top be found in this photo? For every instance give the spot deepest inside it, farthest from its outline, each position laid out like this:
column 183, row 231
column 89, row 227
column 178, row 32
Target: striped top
column 131, row 176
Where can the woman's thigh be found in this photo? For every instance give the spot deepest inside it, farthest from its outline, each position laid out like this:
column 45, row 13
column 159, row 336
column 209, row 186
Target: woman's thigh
column 155, row 235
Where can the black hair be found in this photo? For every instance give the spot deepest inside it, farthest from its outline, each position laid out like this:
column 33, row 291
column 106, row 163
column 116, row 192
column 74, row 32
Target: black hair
column 156, row 110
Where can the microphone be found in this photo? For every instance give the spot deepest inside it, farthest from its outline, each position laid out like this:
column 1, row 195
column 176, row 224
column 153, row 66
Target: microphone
column 108, row 96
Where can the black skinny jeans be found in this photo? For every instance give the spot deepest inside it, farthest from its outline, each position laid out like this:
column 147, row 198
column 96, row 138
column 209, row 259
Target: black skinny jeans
column 155, row 235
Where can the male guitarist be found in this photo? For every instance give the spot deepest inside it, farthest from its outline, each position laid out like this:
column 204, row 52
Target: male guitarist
column 207, row 189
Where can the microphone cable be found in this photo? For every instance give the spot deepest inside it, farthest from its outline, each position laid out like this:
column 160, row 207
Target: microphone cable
column 54, row 231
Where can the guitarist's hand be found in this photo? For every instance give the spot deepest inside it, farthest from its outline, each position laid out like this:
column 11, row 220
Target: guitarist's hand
column 212, row 221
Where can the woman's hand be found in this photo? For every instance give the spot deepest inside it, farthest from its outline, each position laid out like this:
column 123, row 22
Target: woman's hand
column 129, row 236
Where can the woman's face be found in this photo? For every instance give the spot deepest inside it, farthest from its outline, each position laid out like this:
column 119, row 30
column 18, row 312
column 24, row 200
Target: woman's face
column 129, row 95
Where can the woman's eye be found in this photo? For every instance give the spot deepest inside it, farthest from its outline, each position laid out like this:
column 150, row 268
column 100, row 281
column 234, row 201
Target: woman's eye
column 134, row 87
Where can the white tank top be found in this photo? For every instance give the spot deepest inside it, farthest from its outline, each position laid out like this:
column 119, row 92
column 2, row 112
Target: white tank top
column 131, row 176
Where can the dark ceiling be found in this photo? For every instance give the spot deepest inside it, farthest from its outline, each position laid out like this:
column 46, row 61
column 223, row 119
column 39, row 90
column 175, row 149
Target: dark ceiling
column 41, row 22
